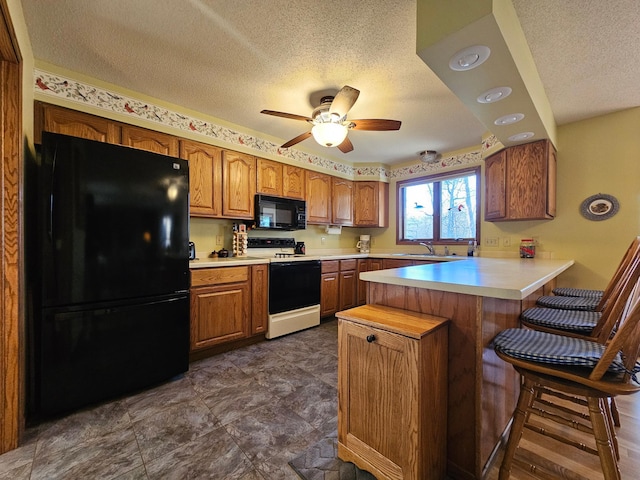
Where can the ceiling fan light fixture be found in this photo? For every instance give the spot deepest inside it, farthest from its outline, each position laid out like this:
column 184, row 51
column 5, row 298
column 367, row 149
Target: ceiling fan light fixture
column 329, row 134
column 469, row 58
column 494, row 95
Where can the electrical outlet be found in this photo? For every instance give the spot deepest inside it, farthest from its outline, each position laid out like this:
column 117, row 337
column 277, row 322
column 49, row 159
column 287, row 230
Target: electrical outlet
column 373, row 241
column 323, row 240
column 219, row 239
column 492, row 241
column 506, row 241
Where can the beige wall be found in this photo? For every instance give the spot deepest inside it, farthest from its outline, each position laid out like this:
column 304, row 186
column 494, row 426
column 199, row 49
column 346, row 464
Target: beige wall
column 599, row 155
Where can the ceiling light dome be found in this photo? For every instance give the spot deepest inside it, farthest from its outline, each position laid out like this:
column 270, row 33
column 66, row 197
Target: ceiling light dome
column 520, row 136
column 509, row 119
column 494, row 95
column 329, row 134
column 469, row 58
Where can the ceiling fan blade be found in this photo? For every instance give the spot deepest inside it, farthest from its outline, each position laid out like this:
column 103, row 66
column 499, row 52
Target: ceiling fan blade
column 298, row 139
column 292, row 116
column 344, row 100
column 375, row 124
column 346, row 146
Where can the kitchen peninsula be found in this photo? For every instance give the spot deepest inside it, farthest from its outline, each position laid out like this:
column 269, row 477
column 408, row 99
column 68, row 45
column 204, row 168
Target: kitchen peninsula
column 481, row 297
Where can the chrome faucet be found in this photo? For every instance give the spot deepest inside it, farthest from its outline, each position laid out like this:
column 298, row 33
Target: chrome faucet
column 429, row 246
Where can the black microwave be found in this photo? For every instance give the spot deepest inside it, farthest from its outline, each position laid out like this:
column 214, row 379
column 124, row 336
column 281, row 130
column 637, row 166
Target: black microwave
column 276, row 213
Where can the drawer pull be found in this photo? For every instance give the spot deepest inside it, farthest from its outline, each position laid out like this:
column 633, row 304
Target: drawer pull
column 371, row 338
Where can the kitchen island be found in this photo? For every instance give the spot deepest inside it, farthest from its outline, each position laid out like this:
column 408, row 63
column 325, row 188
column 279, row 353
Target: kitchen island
column 481, row 297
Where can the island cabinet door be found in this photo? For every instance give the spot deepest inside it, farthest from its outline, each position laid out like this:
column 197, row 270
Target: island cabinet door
column 378, row 400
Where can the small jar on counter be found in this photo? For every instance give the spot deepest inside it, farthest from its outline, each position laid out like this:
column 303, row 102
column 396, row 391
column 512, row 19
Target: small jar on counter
column 527, row 248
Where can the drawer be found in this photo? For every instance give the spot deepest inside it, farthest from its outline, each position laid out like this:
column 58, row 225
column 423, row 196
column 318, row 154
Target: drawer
column 329, row 266
column 216, row 276
column 348, row 264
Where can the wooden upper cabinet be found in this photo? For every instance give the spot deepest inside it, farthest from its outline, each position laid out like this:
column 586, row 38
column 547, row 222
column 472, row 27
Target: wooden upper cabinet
column 268, row 177
column 341, row 201
column 205, row 178
column 150, row 140
column 51, row 118
column 521, row 183
column 238, row 185
column 495, row 174
column 371, row 204
column 318, row 198
column 293, row 182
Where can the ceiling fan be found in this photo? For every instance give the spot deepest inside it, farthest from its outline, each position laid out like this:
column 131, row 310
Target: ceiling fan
column 330, row 124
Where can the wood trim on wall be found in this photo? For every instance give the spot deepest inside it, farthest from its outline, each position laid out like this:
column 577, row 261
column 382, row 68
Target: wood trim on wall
column 11, row 303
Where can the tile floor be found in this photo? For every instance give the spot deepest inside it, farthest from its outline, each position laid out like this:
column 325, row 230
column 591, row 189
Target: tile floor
column 239, row 415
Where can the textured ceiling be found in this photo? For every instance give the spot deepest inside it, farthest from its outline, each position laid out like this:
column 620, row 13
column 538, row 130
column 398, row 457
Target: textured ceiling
column 230, row 60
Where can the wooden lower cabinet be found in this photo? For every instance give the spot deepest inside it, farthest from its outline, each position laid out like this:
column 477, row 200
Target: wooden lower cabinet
column 259, row 298
column 364, row 265
column 329, row 287
column 392, row 392
column 348, row 284
column 220, row 306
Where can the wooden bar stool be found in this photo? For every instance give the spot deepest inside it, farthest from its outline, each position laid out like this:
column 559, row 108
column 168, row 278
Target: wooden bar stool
column 591, row 301
column 572, row 367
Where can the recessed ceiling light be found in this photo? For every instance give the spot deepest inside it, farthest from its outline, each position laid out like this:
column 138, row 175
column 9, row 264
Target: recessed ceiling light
column 509, row 119
column 469, row 58
column 520, row 136
column 494, row 95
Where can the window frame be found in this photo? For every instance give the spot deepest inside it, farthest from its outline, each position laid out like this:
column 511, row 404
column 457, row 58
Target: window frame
column 436, row 178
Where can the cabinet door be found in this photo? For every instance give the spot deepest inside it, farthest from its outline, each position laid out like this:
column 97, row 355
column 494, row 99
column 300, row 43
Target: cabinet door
column 363, row 266
column 269, row 177
column 51, row 118
column 341, row 201
column 495, row 173
column 527, row 181
column 371, row 204
column 329, row 294
column 375, row 264
column 318, row 198
column 205, row 178
column 552, row 169
column 259, row 298
column 150, row 140
column 378, row 368
column 219, row 314
column 238, row 184
column 293, row 182
column 348, row 285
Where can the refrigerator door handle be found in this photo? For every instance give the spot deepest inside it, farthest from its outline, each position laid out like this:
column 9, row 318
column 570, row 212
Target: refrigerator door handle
column 51, row 197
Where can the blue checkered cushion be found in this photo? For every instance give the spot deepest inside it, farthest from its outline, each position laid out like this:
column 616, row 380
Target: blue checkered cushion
column 578, row 292
column 577, row 321
column 542, row 347
column 568, row 303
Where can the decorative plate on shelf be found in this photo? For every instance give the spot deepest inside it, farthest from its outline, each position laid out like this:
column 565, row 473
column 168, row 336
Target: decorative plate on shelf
column 599, row 207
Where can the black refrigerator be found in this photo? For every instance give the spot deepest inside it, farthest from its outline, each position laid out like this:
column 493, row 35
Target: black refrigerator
column 111, row 279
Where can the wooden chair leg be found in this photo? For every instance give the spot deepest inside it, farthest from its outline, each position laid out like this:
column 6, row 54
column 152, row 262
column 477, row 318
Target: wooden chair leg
column 526, row 398
column 611, row 428
column 603, row 439
column 614, row 412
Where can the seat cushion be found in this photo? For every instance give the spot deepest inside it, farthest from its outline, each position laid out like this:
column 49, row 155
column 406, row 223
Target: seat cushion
column 578, row 292
column 542, row 347
column 577, row 321
column 568, row 303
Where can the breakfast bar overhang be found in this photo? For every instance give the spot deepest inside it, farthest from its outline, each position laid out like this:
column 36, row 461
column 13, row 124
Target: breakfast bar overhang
column 481, row 297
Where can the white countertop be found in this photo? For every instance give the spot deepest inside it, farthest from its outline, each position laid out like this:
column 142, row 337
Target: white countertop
column 507, row 278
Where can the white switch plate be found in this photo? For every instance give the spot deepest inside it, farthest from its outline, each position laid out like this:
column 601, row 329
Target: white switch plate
column 219, row 240
column 492, row 241
column 323, row 240
column 506, row 241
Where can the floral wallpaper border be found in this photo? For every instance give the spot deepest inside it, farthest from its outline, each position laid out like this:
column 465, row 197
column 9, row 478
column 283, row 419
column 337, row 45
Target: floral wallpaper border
column 70, row 89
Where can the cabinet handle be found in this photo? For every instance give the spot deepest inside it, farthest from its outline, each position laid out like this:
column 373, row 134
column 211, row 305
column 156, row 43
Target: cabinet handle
column 371, row 338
